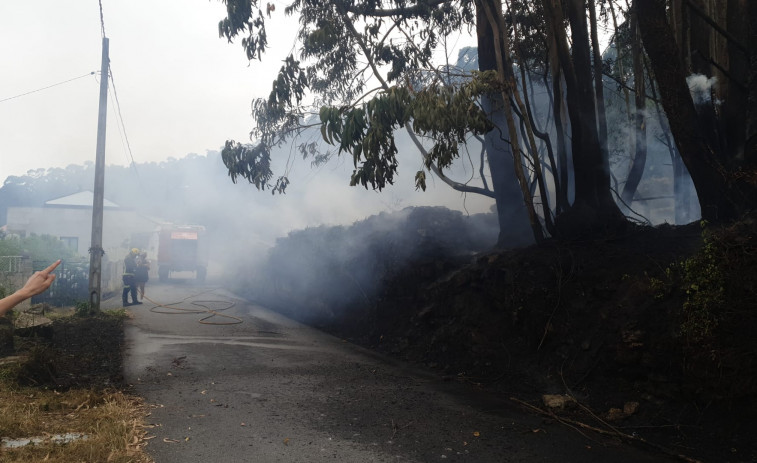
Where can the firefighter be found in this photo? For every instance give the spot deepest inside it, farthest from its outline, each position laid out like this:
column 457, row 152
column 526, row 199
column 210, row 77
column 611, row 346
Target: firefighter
column 142, row 274
column 130, row 284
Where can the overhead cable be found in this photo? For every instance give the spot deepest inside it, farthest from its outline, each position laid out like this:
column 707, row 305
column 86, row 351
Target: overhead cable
column 121, row 119
column 49, row 86
column 102, row 20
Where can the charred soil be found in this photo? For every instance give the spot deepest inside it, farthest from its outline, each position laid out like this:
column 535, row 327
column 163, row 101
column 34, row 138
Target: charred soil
column 649, row 335
column 71, row 352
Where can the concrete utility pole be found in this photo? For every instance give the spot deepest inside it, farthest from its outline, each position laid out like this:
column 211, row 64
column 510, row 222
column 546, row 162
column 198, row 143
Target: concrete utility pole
column 96, row 249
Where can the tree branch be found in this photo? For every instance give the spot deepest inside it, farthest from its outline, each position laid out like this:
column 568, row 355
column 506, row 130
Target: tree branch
column 408, row 12
column 455, row 185
column 433, row 167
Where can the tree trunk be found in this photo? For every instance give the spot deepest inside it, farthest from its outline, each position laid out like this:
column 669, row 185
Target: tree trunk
column 619, row 60
column 699, row 40
column 598, row 81
column 593, row 208
column 529, row 126
column 750, row 144
column 735, row 86
column 681, row 190
column 562, row 152
column 676, row 20
column 719, row 195
column 511, row 210
column 640, row 131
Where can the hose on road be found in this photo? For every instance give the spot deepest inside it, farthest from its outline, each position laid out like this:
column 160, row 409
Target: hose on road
column 204, row 307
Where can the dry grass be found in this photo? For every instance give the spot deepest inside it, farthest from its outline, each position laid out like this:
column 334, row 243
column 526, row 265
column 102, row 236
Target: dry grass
column 112, row 420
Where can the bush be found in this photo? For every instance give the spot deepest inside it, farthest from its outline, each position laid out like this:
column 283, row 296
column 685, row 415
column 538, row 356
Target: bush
column 39, row 247
column 718, row 316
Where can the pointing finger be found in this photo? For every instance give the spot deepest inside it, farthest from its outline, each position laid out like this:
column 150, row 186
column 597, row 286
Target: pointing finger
column 51, row 267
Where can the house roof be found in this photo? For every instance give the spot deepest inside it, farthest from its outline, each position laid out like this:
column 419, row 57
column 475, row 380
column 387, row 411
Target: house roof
column 80, row 199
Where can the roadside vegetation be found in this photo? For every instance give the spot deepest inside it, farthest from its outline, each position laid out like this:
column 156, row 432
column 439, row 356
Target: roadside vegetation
column 101, row 425
column 61, row 394
column 37, row 247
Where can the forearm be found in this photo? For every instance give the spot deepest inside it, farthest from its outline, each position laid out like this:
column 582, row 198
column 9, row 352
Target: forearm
column 7, row 303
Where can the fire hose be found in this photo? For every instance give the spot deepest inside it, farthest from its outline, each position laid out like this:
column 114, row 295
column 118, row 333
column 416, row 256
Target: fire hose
column 174, row 309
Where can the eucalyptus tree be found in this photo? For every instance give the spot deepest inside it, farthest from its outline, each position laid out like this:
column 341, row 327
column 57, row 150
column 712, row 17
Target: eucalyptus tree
column 370, row 71
column 716, row 132
column 346, row 46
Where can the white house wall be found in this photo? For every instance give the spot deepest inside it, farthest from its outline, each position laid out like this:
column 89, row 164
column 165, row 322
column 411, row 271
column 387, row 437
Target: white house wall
column 118, row 225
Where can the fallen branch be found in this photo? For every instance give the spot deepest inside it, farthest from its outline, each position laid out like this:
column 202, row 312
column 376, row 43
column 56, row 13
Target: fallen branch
column 614, row 433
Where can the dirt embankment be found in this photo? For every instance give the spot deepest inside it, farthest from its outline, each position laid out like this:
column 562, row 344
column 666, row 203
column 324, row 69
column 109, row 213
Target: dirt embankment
column 655, row 322
column 71, row 352
column 62, row 397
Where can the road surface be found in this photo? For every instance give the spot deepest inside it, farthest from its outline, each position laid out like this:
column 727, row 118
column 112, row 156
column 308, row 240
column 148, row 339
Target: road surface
column 269, row 389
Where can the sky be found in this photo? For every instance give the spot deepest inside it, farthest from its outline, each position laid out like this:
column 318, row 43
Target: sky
column 181, row 89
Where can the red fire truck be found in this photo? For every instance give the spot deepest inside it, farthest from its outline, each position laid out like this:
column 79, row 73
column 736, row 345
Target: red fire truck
column 182, row 248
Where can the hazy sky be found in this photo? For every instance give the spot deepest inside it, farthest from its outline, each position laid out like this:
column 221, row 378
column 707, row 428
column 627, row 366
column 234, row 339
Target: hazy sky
column 181, row 88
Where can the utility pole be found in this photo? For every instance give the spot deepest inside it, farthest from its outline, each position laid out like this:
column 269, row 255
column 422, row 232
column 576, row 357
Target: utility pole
column 96, row 249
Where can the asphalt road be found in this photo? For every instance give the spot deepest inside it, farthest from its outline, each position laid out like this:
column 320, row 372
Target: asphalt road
column 269, row 389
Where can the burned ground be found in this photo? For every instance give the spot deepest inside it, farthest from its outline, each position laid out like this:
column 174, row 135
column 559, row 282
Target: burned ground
column 658, row 322
column 72, row 352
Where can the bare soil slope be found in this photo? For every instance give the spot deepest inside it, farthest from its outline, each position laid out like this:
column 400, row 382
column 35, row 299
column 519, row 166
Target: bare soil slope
column 651, row 332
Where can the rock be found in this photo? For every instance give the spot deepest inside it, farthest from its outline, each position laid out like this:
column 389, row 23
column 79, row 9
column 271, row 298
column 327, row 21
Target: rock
column 30, row 320
column 630, row 408
column 557, row 401
column 615, row 414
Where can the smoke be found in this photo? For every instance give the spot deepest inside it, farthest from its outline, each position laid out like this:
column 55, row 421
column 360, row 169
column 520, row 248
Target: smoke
column 701, row 88
column 665, row 193
column 323, row 274
column 244, row 224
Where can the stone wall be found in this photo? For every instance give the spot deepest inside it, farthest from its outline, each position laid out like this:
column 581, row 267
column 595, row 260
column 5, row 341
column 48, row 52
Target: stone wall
column 14, row 271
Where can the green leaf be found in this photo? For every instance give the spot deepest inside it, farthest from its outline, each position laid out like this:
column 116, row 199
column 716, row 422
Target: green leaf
column 420, row 180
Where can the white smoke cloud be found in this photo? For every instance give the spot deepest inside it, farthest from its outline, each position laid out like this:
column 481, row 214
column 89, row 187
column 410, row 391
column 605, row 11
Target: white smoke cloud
column 700, row 87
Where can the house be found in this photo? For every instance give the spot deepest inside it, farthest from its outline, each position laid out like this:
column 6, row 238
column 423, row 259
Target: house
column 70, row 219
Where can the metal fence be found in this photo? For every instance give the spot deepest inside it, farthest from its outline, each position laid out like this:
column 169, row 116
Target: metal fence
column 71, row 284
column 11, row 264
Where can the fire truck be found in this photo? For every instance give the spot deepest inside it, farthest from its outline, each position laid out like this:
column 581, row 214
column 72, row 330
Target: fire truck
column 182, row 248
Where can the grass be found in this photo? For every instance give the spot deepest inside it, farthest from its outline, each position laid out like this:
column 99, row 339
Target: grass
column 111, row 419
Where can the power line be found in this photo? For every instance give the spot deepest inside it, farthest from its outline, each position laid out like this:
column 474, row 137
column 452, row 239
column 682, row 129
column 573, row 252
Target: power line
column 121, row 119
column 102, row 20
column 118, row 126
column 49, row 86
column 121, row 127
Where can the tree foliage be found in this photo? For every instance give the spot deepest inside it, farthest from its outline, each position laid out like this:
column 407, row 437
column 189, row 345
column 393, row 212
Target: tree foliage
column 38, row 247
column 365, row 68
column 345, row 46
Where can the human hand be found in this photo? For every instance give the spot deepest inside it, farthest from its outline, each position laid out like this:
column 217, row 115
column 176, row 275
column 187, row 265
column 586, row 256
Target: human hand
column 39, row 281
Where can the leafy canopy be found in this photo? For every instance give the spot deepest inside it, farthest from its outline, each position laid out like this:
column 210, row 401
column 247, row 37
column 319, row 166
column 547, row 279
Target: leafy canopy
column 39, row 247
column 344, row 47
